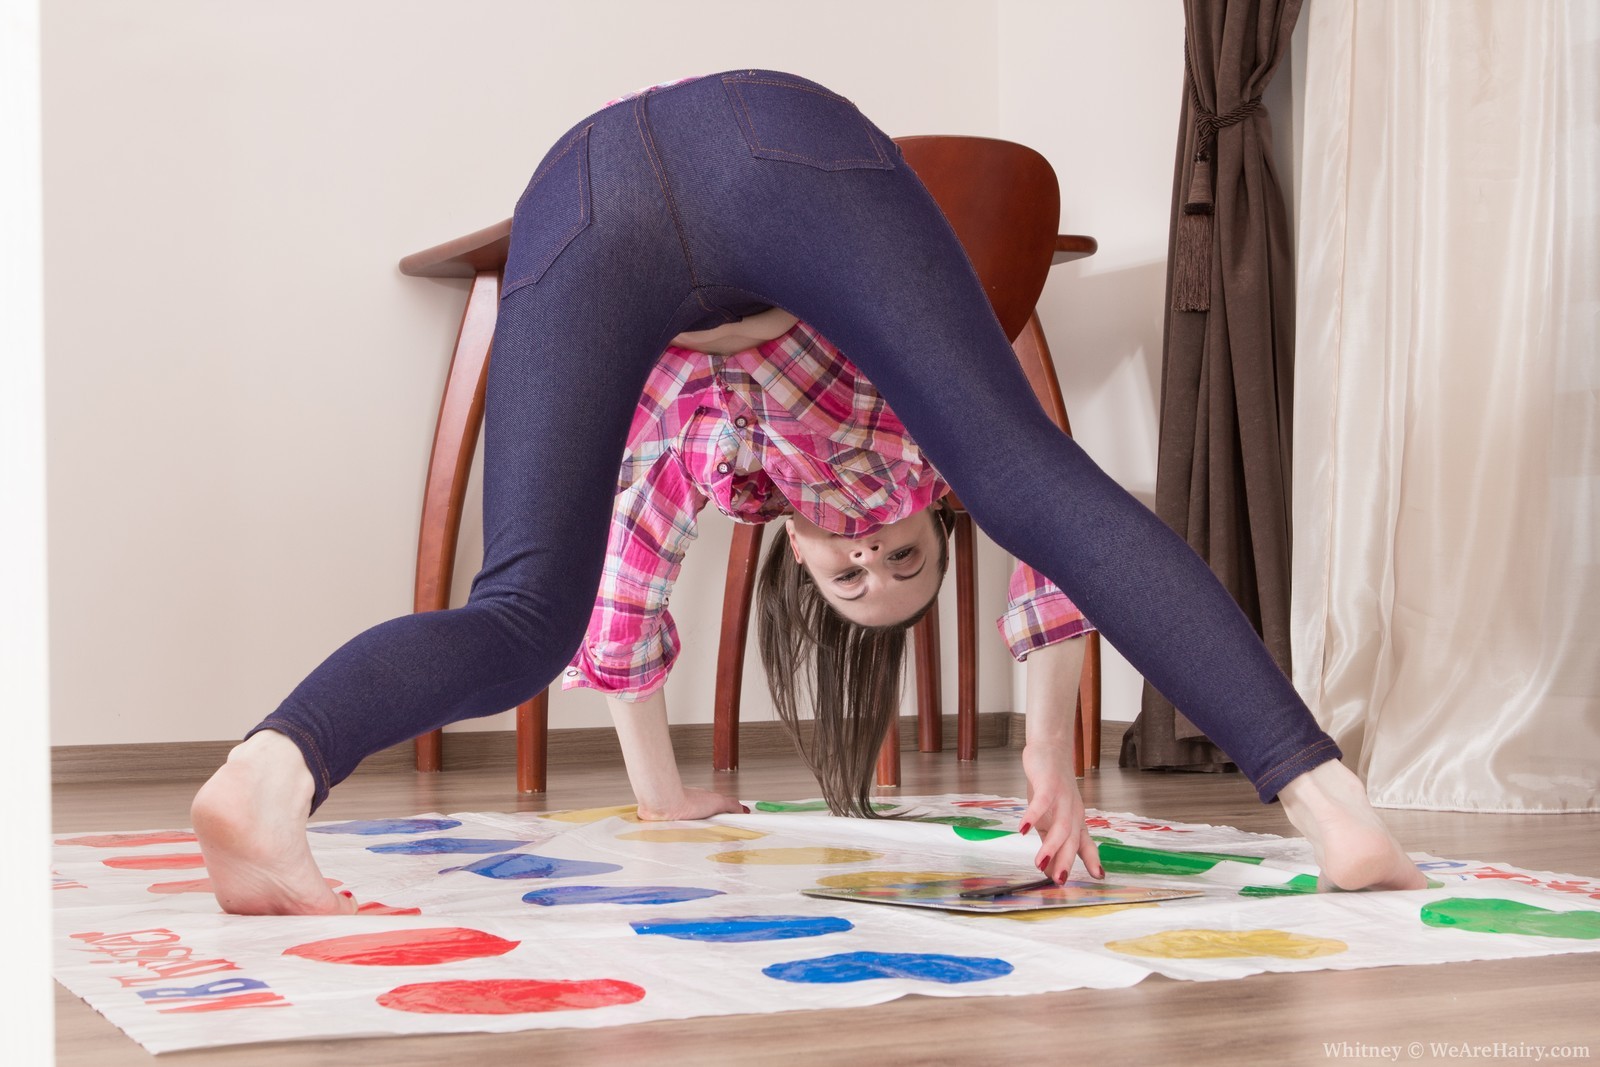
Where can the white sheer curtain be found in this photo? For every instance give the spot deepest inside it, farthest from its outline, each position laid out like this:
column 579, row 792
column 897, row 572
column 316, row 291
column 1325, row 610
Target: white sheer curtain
column 1446, row 611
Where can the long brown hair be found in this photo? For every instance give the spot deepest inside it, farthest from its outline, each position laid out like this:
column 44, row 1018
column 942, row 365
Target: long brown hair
column 847, row 673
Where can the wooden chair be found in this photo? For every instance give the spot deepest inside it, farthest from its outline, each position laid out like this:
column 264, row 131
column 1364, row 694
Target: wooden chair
column 1003, row 201
column 989, row 189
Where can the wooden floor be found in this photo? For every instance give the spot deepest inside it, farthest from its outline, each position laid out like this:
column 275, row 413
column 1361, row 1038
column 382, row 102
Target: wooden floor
column 1270, row 1018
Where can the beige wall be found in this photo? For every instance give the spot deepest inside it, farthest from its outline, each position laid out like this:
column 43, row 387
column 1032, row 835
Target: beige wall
column 241, row 387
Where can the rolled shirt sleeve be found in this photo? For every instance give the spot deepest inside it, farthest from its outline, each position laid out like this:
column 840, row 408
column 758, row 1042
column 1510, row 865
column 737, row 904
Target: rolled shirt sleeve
column 631, row 643
column 1037, row 614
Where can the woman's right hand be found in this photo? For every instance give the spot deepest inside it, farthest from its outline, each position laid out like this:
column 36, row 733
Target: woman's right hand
column 693, row 804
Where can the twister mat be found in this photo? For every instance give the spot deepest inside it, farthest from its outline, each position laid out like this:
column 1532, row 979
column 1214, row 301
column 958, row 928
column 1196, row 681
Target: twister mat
column 497, row 922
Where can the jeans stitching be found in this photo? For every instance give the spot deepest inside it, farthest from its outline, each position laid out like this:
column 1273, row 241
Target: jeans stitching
column 536, row 271
column 752, row 139
column 641, row 118
column 1297, row 759
column 538, row 175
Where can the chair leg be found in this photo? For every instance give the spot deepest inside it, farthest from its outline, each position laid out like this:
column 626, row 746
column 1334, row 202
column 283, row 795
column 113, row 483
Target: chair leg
column 966, row 640
column 744, row 557
column 428, row 750
column 930, row 703
column 455, row 438
column 1089, row 703
column 889, row 756
column 533, row 743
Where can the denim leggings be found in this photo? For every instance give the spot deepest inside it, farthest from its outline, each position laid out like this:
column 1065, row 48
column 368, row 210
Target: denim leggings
column 691, row 206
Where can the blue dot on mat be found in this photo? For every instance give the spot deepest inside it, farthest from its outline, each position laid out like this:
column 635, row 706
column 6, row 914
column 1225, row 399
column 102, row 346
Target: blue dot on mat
column 864, row 966
column 373, row 827
column 435, row 846
column 524, row 865
column 617, row 894
column 745, row 927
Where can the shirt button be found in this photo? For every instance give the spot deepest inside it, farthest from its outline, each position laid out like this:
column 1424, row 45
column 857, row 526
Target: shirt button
column 572, row 672
column 723, row 468
column 741, row 422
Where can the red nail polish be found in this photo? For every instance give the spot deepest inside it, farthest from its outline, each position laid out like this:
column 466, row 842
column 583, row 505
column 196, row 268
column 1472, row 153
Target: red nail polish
column 347, row 893
column 1025, row 827
column 1044, row 864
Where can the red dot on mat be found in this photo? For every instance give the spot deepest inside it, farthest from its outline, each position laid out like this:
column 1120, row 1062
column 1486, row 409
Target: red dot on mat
column 509, row 996
column 405, row 948
column 176, row 861
column 160, row 837
column 372, row 907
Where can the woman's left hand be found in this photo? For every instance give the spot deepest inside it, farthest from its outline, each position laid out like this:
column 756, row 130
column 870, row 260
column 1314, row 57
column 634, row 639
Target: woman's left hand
column 1055, row 809
column 691, row 804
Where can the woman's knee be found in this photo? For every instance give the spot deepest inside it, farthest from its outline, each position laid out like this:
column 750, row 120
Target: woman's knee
column 540, row 625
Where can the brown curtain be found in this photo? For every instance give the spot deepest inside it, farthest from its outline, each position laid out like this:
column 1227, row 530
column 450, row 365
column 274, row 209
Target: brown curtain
column 1222, row 476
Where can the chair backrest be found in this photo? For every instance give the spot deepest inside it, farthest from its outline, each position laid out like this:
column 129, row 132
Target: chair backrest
column 1004, row 203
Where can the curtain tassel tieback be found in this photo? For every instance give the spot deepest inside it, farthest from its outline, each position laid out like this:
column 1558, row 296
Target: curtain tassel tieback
column 1191, row 275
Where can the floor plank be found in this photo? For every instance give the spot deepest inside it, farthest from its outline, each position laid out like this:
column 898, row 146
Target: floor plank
column 1269, row 1018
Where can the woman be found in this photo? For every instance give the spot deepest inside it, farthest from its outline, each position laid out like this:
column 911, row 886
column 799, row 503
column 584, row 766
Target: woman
column 686, row 209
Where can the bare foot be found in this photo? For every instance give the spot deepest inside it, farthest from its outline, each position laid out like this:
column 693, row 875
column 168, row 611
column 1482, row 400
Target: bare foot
column 250, row 818
column 1354, row 850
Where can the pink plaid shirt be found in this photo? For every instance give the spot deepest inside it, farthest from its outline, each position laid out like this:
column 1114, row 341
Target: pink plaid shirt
column 788, row 425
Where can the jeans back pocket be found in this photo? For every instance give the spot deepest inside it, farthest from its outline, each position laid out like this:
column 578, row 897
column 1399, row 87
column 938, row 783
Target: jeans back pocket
column 798, row 122
column 553, row 210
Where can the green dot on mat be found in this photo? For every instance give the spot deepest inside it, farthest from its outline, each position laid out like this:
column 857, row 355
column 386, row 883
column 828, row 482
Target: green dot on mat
column 1494, row 916
column 978, row 833
column 1300, row 883
column 1134, row 859
column 806, row 805
column 971, row 822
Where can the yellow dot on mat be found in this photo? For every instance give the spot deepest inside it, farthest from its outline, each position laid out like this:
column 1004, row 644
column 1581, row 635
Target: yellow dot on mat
column 596, row 814
column 796, row 855
column 692, row 833
column 1223, row 944
column 1088, row 911
column 873, row 879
